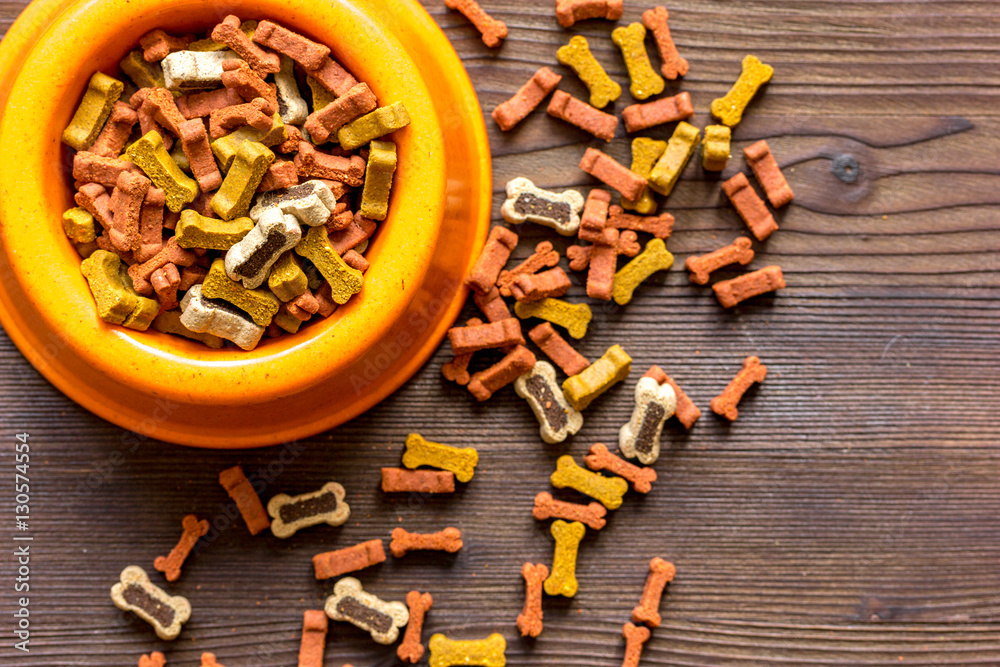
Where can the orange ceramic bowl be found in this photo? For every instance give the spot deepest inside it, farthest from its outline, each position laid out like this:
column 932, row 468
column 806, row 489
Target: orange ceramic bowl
column 293, row 386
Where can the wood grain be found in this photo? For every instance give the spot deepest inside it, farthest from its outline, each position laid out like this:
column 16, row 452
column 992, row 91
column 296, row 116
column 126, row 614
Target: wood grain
column 850, row 515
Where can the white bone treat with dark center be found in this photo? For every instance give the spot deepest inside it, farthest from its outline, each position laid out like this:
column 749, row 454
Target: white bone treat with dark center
column 557, row 210
column 136, row 593
column 203, row 315
column 251, row 259
column 654, row 405
column 292, row 513
column 186, row 71
column 310, row 202
column 556, row 418
column 292, row 109
column 352, row 604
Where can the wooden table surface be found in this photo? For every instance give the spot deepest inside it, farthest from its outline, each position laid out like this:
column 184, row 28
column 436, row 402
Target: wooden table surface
column 848, row 517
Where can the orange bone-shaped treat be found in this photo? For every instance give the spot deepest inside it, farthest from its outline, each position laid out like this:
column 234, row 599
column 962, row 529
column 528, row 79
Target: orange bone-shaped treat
column 247, row 501
column 313, row 163
column 354, row 234
column 403, row 541
column 171, row 253
column 687, row 412
column 661, row 572
column 410, row 649
column 657, row 22
column 302, row 50
column 200, row 105
column 251, row 113
column 154, row 659
column 603, row 264
column 659, row 226
column 161, row 102
column 111, row 141
column 151, row 224
column 734, row 291
column 284, row 174
column 323, row 123
column 569, row 12
column 591, row 515
column 399, row 480
column 194, row 141
column 635, row 637
column 228, row 32
column 93, row 198
column 557, row 349
column 495, row 334
column 500, row 243
column 170, row 565
column 750, row 206
column 529, row 621
column 457, row 370
column 543, row 257
column 356, row 260
column 595, row 217
column 532, row 287
column 92, row 168
column 349, row 559
column 725, row 403
column 165, row 281
column 333, row 77
column 208, row 660
column 127, row 199
column 237, row 76
column 314, row 627
column 493, row 30
column 639, row 117
column 600, row 458
column 157, row 45
column 492, row 305
column 580, row 256
column 605, row 168
column 526, row 99
column 768, row 173
column 517, row 362
column 701, row 266
column 566, row 107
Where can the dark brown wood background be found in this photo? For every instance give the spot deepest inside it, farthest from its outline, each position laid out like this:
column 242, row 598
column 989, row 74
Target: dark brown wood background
column 850, row 516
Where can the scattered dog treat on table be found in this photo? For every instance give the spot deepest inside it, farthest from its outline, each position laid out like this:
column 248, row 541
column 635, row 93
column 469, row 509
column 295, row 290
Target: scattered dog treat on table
column 493, row 31
column 170, row 565
column 673, row 65
column 725, row 403
column 398, row 480
column 591, row 382
column 485, row 383
column 349, row 559
column 291, row 514
column 576, row 112
column 488, row 652
column 654, row 258
column 574, row 317
column 526, row 99
column 247, row 501
column 700, row 267
column 600, row 458
column 750, row 206
column 687, row 412
column 154, row 659
column 208, row 660
column 768, row 173
column 635, row 637
column 543, row 257
column 591, row 515
column 410, row 649
column 661, row 572
column 669, row 167
column 403, row 541
column 557, row 349
column 568, row 12
column 136, row 593
column 562, row 580
column 715, row 148
column 422, row 452
column 529, row 621
column 655, row 403
column 631, row 41
column 607, row 170
column 527, row 203
column 736, row 290
column 351, row 603
column 313, row 645
column 606, row 490
column 556, row 419
column 729, row 108
column 645, row 153
column 640, row 117
column 576, row 55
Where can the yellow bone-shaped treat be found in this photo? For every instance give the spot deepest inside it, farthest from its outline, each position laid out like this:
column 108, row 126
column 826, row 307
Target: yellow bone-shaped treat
column 577, row 55
column 344, row 281
column 287, row 279
column 668, row 168
column 259, row 304
column 95, row 107
column 645, row 153
column 654, row 258
column 645, row 80
column 378, row 180
column 715, row 147
column 225, row 148
column 574, row 317
column 489, row 652
column 373, row 125
column 606, row 490
column 421, row 452
column 729, row 108
column 116, row 302
column 197, row 231
column 143, row 74
column 562, row 580
column 78, row 225
column 613, row 367
column 152, row 157
column 232, row 200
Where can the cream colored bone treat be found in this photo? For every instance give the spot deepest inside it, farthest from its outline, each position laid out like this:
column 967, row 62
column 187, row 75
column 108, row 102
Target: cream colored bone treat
column 202, row 315
column 654, row 405
column 351, row 603
column 489, row 652
column 311, row 202
column 606, row 490
column 562, row 580
column 422, row 452
column 556, row 418
column 186, row 71
column 290, row 514
column 136, row 593
column 251, row 259
column 557, row 210
column 292, row 109
column 613, row 367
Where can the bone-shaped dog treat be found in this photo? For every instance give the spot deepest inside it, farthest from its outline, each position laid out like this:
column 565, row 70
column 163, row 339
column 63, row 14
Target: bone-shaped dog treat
column 500, row 243
column 543, row 285
column 574, row 317
column 768, row 173
column 127, row 197
column 591, row 514
column 701, row 266
column 557, row 210
column 78, row 224
column 529, row 621
column 530, row 95
column 654, row 404
column 194, row 230
column 95, row 107
column 311, row 55
column 603, row 262
column 606, row 490
column 493, row 30
column 485, row 383
column 645, row 153
column 398, row 480
column 208, row 660
column 157, row 45
column 314, row 627
column 613, row 367
column 170, row 565
column 150, row 154
column 403, row 541
column 326, row 122
column 143, row 74
column 378, row 180
column 635, row 637
column 343, row 280
column 557, row 349
column 351, row 603
column 606, row 169
column 228, row 32
column 645, row 81
column 595, row 217
column 247, row 501
column 543, row 257
column 687, row 412
column 715, row 147
column 410, row 649
column 600, row 458
column 291, row 106
column 492, row 305
column 287, row 279
column 580, row 256
column 291, row 514
column 569, row 12
column 562, row 580
column 218, row 318
column 249, row 165
column 332, row 78
column 489, row 652
column 735, row 291
column 657, row 21
column 661, row 572
column 187, row 71
column 311, row 203
column 457, row 370
column 639, row 117
column 667, row 170
column 556, row 419
column 465, row 340
column 194, row 142
column 136, row 593
column 250, row 259
column 116, row 302
column 91, row 168
column 729, row 109
column 373, row 125
column 154, row 659
column 260, row 304
column 750, row 206
column 576, row 54
column 725, row 403
column 577, row 112
column 111, row 141
column 654, row 258
column 349, row 559
column 659, row 226
column 422, row 452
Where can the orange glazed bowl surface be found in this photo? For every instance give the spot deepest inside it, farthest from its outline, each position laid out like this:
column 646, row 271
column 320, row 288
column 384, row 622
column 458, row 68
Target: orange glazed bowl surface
column 296, row 385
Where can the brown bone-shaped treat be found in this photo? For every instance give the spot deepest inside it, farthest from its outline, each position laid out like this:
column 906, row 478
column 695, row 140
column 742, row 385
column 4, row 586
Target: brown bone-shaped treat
column 154, row 659
column 516, row 363
column 579, row 256
column 314, row 626
column 529, row 621
column 557, row 349
column 659, row 226
column 410, row 649
column 495, row 334
column 399, row 480
column 208, row 660
column 603, row 265
column 544, row 257
column 136, row 593
column 349, row 559
column 701, row 266
column 591, row 515
column 537, row 286
column 736, row 290
column 243, row 494
column 403, row 542
column 686, row 411
column 228, row 32
column 170, row 565
column 457, row 370
column 725, row 403
column 492, row 305
column 600, row 458
column 661, row 572
column 635, row 637
column 351, row 603
column 500, row 243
